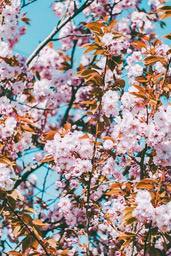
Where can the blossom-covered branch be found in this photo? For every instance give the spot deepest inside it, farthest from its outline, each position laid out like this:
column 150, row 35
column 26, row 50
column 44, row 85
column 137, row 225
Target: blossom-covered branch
column 59, row 26
column 85, row 131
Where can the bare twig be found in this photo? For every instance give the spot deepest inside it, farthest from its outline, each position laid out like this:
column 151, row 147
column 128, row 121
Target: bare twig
column 57, row 28
column 71, row 35
column 24, row 177
column 24, row 4
column 93, row 166
column 28, row 228
column 74, row 90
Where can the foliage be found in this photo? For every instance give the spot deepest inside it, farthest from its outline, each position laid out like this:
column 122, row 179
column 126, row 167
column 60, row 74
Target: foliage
column 109, row 154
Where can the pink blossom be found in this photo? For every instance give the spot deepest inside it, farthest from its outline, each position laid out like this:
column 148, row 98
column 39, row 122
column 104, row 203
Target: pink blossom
column 110, row 103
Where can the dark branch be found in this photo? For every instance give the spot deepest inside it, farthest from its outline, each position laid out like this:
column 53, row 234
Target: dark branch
column 57, row 28
column 27, row 3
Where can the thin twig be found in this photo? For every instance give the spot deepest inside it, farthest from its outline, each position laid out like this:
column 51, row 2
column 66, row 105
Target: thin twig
column 57, row 28
column 73, row 52
column 93, row 166
column 71, row 35
column 26, row 175
column 146, row 239
column 28, row 3
column 28, row 228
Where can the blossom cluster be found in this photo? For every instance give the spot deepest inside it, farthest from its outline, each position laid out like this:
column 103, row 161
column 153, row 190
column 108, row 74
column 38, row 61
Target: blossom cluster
column 72, row 153
column 145, row 212
column 159, row 136
column 7, row 177
column 10, row 30
column 85, row 137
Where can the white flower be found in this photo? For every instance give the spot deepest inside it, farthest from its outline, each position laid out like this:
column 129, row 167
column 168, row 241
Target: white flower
column 41, row 88
column 110, row 103
column 163, row 217
column 64, row 205
column 7, row 177
column 144, row 211
column 10, row 124
column 107, row 38
column 156, row 3
column 58, row 8
column 4, row 49
column 108, row 144
column 143, row 196
column 16, row 3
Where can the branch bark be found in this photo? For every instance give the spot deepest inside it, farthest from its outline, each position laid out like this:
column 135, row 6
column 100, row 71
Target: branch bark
column 28, row 3
column 93, row 166
column 57, row 28
column 28, row 228
column 26, row 175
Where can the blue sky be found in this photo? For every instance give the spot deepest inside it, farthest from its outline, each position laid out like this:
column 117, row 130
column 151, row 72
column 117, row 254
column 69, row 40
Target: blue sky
column 43, row 20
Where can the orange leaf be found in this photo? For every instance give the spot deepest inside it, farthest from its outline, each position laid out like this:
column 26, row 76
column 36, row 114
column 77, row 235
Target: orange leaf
column 38, row 222
column 5, row 160
column 146, row 184
column 141, row 79
column 95, row 27
column 47, row 159
column 153, row 59
column 50, row 134
column 138, row 44
column 13, row 253
column 85, row 136
column 115, row 189
column 168, row 36
column 67, row 126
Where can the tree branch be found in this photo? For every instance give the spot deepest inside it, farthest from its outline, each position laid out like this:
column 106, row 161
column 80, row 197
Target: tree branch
column 57, row 28
column 28, row 3
column 93, row 165
column 27, row 228
column 26, row 175
column 74, row 90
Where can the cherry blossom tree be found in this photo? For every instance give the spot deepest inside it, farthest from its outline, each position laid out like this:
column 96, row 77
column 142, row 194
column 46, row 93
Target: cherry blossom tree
column 85, row 131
